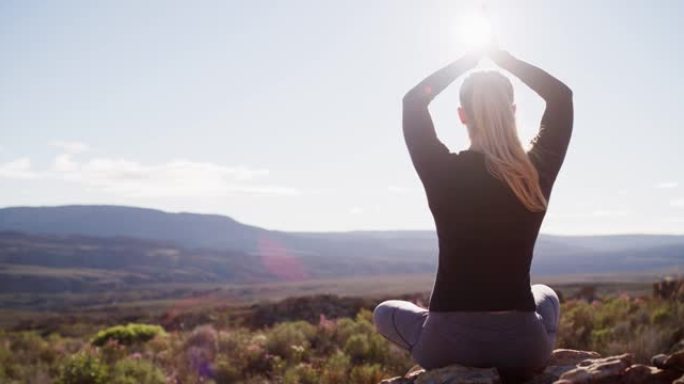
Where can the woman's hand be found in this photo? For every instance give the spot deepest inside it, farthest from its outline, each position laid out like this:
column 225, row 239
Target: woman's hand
column 499, row 56
column 473, row 57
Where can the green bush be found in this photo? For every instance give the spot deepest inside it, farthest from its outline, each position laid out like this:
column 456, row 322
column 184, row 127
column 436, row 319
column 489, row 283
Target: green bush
column 661, row 315
column 335, row 369
column 357, row 347
column 127, row 334
column 290, row 340
column 366, row 374
column 301, row 374
column 83, row 368
column 601, row 337
column 226, row 373
column 614, row 325
column 576, row 325
column 255, row 356
column 129, row 371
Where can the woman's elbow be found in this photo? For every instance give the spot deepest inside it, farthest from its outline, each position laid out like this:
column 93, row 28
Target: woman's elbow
column 565, row 92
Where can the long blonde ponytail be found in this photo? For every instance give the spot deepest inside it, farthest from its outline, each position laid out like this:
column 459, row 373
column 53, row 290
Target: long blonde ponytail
column 487, row 97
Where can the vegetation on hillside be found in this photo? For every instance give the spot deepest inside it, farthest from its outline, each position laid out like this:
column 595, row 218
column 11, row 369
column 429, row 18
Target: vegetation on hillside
column 342, row 350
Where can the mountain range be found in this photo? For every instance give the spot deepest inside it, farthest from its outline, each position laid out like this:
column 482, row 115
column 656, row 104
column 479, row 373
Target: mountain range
column 74, row 248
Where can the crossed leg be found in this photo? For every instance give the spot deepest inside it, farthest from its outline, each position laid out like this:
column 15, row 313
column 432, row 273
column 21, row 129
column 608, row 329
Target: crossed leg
column 400, row 322
column 548, row 307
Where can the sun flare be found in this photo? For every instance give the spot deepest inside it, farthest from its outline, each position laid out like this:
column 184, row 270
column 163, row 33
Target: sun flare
column 476, row 31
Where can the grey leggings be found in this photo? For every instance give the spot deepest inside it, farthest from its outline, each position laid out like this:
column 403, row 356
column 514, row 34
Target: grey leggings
column 519, row 341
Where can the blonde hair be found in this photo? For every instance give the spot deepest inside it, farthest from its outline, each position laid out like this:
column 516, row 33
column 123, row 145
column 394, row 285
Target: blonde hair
column 487, row 98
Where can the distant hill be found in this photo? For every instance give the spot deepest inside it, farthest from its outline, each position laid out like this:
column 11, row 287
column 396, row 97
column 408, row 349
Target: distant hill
column 73, row 248
column 187, row 229
column 76, row 263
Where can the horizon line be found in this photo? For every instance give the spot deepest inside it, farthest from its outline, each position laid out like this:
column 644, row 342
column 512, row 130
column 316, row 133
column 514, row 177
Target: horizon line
column 307, row 231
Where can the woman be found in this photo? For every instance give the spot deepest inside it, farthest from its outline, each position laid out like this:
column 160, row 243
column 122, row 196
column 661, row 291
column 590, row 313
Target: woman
column 488, row 203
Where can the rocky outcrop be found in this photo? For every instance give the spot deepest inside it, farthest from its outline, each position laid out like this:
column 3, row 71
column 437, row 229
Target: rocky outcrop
column 566, row 366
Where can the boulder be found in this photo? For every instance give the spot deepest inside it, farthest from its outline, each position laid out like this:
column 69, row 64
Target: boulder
column 566, row 366
column 644, row 374
column 458, row 374
column 673, row 361
column 602, row 370
column 453, row 374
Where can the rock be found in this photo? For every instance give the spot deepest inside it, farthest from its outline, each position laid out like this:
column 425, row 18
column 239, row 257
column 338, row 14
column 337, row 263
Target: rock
column 674, row 361
column 604, row 369
column 644, row 374
column 659, row 360
column 397, row 380
column 408, row 378
column 561, row 361
column 413, row 372
column 571, row 356
column 453, row 374
column 459, row 374
column 566, row 366
column 550, row 374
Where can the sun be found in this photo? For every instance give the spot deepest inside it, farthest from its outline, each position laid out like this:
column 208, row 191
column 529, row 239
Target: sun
column 476, row 31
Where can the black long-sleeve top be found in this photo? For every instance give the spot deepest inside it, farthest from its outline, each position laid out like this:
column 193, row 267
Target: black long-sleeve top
column 486, row 235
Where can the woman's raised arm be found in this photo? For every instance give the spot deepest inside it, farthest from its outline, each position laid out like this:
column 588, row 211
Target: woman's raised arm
column 419, row 133
column 551, row 142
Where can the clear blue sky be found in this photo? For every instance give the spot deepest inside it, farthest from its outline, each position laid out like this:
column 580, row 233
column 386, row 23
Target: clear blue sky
column 287, row 114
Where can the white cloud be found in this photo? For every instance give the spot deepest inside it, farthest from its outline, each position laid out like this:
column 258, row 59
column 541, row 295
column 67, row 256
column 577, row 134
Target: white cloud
column 396, row 189
column 72, row 147
column 17, row 169
column 610, row 213
column 128, row 178
column 401, row 190
column 667, row 185
column 599, row 213
column 173, row 178
column 679, row 203
column 65, row 163
column 356, row 210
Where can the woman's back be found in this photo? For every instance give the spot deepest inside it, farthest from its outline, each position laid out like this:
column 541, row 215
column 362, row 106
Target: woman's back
column 486, row 238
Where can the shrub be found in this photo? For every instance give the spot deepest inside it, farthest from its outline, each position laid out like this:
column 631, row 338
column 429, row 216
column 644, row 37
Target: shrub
column 576, row 325
column 301, row 374
column 129, row 371
column 4, row 360
column 200, row 349
column 348, row 327
column 335, row 369
column 660, row 315
column 366, row 374
column 365, row 315
column 255, row 356
column 232, row 341
column 128, row 334
column 601, row 337
column 290, row 340
column 83, row 368
column 205, row 337
column 357, row 348
column 223, row 372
